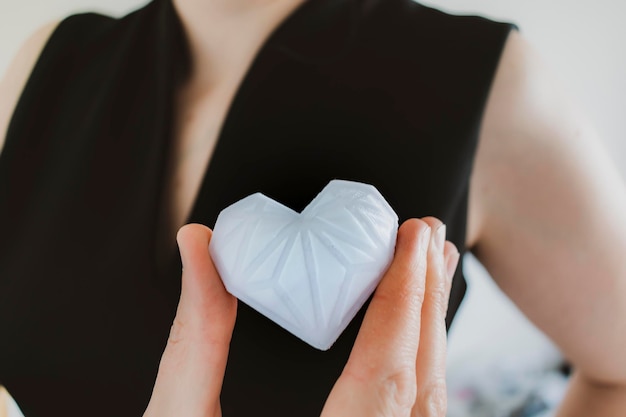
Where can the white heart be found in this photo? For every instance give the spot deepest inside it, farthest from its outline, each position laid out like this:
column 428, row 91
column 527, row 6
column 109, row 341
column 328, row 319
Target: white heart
column 309, row 272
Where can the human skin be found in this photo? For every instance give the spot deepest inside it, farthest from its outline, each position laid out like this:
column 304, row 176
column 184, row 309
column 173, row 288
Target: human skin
column 397, row 364
column 547, row 206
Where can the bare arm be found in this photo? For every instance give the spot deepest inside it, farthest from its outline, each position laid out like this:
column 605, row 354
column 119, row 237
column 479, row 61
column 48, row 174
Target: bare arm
column 549, row 209
column 14, row 80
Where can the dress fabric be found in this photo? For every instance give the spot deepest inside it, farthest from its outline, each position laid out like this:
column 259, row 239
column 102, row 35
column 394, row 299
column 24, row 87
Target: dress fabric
column 386, row 92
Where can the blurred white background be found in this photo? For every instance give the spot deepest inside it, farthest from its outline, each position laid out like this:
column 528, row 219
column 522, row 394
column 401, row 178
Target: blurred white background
column 581, row 41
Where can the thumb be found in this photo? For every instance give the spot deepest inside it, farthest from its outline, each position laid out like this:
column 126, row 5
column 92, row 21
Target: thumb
column 189, row 380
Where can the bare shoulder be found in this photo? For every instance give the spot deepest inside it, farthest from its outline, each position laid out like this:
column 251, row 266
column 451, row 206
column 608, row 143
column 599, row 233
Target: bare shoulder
column 518, row 109
column 529, row 118
column 14, row 80
column 548, row 213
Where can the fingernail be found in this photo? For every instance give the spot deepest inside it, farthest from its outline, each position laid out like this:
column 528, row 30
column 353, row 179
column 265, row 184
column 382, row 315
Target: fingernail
column 453, row 261
column 425, row 239
column 440, row 237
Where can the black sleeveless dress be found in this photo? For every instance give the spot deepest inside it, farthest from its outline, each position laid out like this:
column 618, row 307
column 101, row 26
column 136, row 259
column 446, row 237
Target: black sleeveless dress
column 387, row 92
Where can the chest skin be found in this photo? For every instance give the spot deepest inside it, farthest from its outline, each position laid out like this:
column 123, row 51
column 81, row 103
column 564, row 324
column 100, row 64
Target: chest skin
column 203, row 101
column 196, row 133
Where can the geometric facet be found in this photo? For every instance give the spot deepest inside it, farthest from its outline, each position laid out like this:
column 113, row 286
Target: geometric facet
column 309, row 272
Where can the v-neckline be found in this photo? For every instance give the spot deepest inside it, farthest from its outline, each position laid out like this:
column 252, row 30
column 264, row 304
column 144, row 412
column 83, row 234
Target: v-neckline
column 234, row 104
column 315, row 32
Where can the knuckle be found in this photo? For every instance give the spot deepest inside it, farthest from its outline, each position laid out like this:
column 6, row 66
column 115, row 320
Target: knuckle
column 176, row 350
column 176, row 332
column 418, row 294
column 392, row 393
column 403, row 297
column 415, row 273
column 432, row 399
column 398, row 392
column 438, row 296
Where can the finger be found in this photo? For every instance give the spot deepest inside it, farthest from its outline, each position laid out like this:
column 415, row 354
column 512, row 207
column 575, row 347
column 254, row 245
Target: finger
column 431, row 357
column 452, row 257
column 382, row 363
column 204, row 299
column 191, row 371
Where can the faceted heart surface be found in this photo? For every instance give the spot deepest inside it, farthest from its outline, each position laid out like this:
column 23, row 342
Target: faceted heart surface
column 309, row 272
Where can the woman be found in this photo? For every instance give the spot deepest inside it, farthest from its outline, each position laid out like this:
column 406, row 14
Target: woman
column 281, row 97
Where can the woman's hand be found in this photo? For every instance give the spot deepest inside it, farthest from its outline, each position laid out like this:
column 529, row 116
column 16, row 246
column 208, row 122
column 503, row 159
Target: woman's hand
column 192, row 367
column 397, row 364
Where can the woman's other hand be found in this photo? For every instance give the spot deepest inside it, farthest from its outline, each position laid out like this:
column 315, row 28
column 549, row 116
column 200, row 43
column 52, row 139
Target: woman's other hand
column 397, row 365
